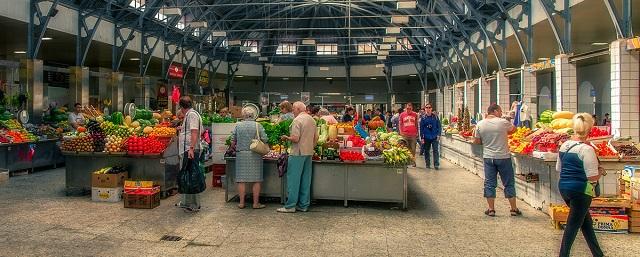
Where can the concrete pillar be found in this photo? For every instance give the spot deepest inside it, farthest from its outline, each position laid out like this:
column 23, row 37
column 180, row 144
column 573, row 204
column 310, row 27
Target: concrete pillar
column 31, row 74
column 447, row 101
column 484, row 89
column 424, row 99
column 78, row 85
column 530, row 91
column 440, row 101
column 116, row 91
column 458, row 99
column 145, row 87
column 502, row 90
column 625, row 91
column 104, row 83
column 470, row 97
column 566, row 84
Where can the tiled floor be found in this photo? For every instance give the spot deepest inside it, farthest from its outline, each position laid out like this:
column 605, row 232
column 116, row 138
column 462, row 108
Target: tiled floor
column 445, row 219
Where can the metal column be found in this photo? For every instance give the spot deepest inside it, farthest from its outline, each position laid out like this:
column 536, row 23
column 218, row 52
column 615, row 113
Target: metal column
column 31, row 75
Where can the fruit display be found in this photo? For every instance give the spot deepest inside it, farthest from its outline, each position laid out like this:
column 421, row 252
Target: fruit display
column 77, row 143
column 393, row 138
column 627, row 149
column 323, row 131
column 397, row 156
column 114, row 144
column 163, row 131
column 549, row 141
column 598, row 132
column 97, row 135
column 376, row 123
column 110, row 170
column 546, row 116
column 10, row 124
column 603, row 150
column 143, row 114
column 142, row 145
column 351, row 155
column 345, row 128
column 356, row 141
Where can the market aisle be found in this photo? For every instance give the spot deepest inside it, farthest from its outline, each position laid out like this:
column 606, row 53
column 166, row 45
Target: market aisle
column 445, row 219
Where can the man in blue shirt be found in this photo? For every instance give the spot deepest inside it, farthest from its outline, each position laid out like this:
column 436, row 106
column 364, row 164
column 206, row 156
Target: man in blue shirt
column 430, row 131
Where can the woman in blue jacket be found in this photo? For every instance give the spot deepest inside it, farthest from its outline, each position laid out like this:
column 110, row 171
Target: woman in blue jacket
column 430, row 131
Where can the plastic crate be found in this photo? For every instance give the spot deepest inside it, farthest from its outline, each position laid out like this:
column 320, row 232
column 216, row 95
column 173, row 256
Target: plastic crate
column 217, row 181
column 218, row 169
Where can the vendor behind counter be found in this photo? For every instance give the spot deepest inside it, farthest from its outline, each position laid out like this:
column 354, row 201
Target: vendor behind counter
column 76, row 118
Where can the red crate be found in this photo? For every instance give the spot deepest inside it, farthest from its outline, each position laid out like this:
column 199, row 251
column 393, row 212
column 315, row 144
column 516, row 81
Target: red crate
column 217, row 181
column 218, row 169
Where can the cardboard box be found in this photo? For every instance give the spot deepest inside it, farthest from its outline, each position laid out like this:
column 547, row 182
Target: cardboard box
column 112, row 195
column 142, row 201
column 132, row 184
column 611, row 223
column 109, row 180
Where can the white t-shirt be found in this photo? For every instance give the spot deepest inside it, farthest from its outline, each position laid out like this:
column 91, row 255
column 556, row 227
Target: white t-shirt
column 494, row 133
column 525, row 113
column 191, row 121
column 76, row 118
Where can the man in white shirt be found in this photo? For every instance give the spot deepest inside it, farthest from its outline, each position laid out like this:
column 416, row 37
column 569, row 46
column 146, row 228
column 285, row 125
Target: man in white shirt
column 76, row 119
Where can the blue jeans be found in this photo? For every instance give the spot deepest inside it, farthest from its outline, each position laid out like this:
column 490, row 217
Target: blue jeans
column 428, row 145
column 493, row 167
column 298, row 181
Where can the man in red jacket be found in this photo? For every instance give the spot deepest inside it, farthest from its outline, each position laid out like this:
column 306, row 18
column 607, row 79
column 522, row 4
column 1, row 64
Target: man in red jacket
column 408, row 127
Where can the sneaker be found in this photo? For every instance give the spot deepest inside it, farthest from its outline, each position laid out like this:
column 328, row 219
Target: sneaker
column 437, row 168
column 301, row 209
column 428, row 167
column 286, row 210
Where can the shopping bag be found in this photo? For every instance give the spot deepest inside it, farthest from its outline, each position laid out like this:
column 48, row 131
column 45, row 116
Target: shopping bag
column 190, row 179
column 283, row 161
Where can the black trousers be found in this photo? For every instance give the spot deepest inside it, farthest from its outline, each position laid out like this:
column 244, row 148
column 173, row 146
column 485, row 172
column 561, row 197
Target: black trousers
column 579, row 218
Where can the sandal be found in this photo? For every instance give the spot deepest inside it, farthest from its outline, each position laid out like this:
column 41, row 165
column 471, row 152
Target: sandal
column 259, row 206
column 240, row 206
column 490, row 213
column 516, row 212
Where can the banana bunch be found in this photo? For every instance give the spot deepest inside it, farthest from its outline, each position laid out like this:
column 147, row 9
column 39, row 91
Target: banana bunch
column 397, row 156
column 104, row 170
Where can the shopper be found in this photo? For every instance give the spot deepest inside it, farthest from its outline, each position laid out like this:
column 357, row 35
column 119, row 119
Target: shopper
column 76, row 119
column 430, row 131
column 492, row 132
column 285, row 111
column 189, row 150
column 606, row 121
column 348, row 115
column 224, row 112
column 303, row 138
column 408, row 129
column 578, row 166
column 387, row 119
column 378, row 113
column 326, row 116
column 367, row 115
column 525, row 115
column 395, row 119
column 248, row 163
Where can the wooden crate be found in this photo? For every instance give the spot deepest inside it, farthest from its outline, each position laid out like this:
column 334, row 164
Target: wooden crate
column 611, row 202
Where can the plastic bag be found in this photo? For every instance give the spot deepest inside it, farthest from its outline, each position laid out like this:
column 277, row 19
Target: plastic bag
column 283, row 161
column 190, row 177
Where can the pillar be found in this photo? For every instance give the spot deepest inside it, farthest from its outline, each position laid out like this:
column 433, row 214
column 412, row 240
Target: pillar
column 117, row 91
column 440, row 101
column 625, row 92
column 529, row 91
column 458, row 99
column 423, row 99
column 484, row 89
column 470, row 97
column 502, row 90
column 78, row 85
column 31, row 73
column 104, row 82
column 145, row 87
column 566, row 84
column 447, row 101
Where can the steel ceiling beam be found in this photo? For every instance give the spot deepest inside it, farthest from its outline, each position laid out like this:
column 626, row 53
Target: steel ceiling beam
column 36, row 31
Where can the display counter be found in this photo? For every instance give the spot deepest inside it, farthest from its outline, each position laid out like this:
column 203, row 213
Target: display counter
column 335, row 180
column 28, row 156
column 539, row 193
column 162, row 169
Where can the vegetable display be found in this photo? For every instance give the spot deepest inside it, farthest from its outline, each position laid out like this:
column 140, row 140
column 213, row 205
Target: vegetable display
column 397, row 156
column 275, row 131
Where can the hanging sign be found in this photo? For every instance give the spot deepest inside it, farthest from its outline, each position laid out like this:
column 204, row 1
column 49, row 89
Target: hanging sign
column 175, row 71
column 203, row 79
column 305, row 97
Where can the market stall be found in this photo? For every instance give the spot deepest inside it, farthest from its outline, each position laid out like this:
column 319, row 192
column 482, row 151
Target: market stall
column 351, row 163
column 534, row 155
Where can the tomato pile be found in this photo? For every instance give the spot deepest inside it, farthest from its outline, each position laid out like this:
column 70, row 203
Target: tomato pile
column 604, row 150
column 596, row 132
column 142, row 145
column 351, row 156
column 357, row 141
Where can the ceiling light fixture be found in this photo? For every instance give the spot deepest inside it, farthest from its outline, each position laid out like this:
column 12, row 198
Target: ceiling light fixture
column 172, row 11
column 285, row 78
column 398, row 19
column 380, row 65
column 329, row 78
column 372, row 78
column 383, row 53
column 385, row 47
column 19, row 52
column 308, row 41
column 219, row 33
column 406, row 5
column 198, row 24
column 234, row 42
column 239, row 76
column 599, row 44
column 393, row 30
column 381, row 57
column 47, row 38
column 412, row 75
column 543, row 59
column 134, row 59
column 324, row 69
column 389, row 39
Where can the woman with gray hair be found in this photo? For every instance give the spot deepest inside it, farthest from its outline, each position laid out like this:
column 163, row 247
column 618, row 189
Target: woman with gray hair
column 248, row 163
column 326, row 116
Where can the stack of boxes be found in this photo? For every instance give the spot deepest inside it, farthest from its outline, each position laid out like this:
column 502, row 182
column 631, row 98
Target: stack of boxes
column 107, row 187
column 220, row 132
column 630, row 187
column 141, row 195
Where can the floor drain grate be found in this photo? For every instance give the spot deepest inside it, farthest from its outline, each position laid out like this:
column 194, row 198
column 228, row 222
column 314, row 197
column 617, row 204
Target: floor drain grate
column 170, row 238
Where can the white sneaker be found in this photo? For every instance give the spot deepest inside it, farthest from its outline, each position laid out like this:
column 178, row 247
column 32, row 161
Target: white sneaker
column 285, row 210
